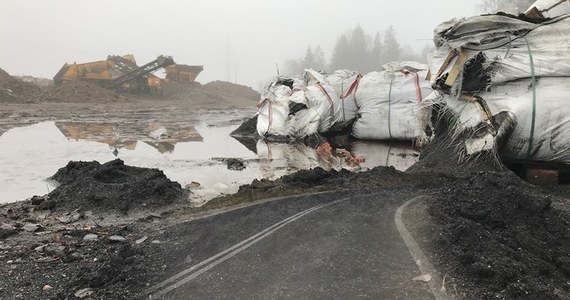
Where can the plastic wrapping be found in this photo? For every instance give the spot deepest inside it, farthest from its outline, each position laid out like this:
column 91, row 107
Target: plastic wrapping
column 544, row 137
column 499, row 49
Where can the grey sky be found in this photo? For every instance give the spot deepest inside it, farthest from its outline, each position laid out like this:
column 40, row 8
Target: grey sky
column 38, row 37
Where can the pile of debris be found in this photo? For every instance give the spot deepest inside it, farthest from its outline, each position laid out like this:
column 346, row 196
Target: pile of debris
column 112, row 186
column 14, row 90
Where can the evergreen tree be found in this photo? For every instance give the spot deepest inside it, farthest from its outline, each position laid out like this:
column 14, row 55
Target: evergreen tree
column 375, row 56
column 314, row 59
column 392, row 49
column 309, row 59
column 340, row 54
column 426, row 51
column 358, row 56
column 320, row 61
column 293, row 67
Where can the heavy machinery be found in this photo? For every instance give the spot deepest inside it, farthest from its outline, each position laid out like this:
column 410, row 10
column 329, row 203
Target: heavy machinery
column 183, row 73
column 120, row 73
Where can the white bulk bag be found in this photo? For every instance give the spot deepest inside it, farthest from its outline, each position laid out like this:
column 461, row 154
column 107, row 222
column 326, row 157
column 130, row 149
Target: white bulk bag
column 388, row 104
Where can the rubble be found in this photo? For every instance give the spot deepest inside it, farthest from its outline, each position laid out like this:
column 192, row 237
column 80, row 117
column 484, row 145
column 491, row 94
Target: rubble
column 32, row 227
column 117, row 239
column 6, row 230
column 90, row 237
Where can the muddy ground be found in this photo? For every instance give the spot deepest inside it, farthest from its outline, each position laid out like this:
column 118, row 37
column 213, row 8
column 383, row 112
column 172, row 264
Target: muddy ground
column 490, row 234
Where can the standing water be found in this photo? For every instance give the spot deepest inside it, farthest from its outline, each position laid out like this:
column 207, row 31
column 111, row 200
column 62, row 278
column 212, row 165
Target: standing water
column 189, row 154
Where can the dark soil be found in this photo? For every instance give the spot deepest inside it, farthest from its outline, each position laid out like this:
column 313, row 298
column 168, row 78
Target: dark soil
column 235, row 164
column 497, row 237
column 59, row 265
column 318, row 180
column 109, row 187
column 492, row 235
column 442, row 156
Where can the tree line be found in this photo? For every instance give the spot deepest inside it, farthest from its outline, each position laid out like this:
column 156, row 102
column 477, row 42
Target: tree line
column 357, row 50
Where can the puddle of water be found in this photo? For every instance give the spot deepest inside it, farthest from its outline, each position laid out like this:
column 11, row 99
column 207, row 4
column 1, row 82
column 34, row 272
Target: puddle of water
column 29, row 155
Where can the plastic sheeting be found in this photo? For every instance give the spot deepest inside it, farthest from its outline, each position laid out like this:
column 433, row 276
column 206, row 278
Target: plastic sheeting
column 388, row 103
column 382, row 105
column 500, row 49
column 274, row 111
column 325, row 106
column 542, row 137
column 513, row 66
column 345, row 84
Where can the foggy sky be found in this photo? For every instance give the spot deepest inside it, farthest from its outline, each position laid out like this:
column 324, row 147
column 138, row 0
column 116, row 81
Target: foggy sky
column 229, row 37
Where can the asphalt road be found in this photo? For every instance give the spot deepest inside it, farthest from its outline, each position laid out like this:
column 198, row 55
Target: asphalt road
column 342, row 245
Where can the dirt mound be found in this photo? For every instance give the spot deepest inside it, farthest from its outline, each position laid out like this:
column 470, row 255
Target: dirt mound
column 319, row 180
column 81, row 92
column 212, row 95
column 15, row 90
column 109, row 187
column 4, row 75
column 233, row 89
column 501, row 238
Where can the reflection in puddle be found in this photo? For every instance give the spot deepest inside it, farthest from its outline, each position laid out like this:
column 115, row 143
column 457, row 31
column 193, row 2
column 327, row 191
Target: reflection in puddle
column 163, row 137
column 400, row 157
column 186, row 153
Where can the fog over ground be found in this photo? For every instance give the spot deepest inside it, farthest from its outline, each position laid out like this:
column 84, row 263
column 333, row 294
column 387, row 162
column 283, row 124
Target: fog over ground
column 238, row 41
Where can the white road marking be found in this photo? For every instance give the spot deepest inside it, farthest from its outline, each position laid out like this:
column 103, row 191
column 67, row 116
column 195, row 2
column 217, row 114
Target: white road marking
column 419, row 257
column 196, row 270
